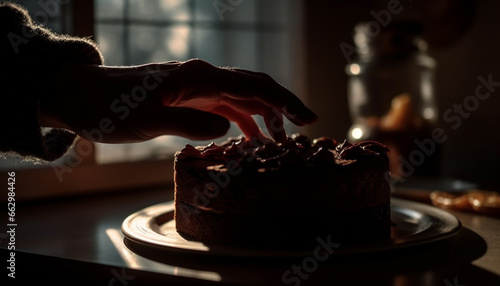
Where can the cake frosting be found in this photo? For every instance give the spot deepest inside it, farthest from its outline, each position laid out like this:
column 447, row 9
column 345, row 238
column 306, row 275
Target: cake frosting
column 298, row 149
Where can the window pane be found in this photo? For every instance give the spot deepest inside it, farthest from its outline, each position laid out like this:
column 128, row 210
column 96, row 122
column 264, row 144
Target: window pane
column 275, row 49
column 236, row 11
column 241, row 49
column 110, row 39
column 109, row 9
column 158, row 44
column 208, row 45
column 226, row 48
column 161, row 10
column 158, row 148
column 274, row 12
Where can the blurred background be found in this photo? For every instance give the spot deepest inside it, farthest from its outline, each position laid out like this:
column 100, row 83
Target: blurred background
column 305, row 45
column 462, row 37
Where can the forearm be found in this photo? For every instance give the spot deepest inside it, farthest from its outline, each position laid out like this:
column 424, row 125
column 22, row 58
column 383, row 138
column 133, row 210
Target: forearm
column 85, row 94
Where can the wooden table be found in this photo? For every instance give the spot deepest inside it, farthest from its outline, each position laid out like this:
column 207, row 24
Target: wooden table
column 78, row 239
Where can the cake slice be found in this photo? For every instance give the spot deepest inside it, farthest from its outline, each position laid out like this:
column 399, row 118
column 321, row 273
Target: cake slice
column 239, row 193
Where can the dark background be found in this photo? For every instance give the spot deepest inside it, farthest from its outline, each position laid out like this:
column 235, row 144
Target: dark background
column 464, row 39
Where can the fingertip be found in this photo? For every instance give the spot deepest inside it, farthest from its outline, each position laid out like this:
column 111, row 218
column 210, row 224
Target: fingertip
column 279, row 136
column 300, row 115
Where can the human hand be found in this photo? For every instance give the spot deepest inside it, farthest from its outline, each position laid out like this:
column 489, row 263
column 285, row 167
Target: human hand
column 192, row 99
column 236, row 94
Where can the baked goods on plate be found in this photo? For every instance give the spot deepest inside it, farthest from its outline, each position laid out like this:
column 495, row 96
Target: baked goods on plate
column 283, row 193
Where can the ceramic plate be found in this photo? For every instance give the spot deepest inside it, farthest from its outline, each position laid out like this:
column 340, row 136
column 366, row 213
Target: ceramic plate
column 413, row 224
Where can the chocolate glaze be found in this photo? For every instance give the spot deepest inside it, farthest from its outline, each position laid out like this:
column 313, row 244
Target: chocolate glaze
column 297, row 149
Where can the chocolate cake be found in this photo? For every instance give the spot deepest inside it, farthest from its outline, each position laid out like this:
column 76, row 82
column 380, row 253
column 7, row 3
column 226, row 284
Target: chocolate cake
column 243, row 193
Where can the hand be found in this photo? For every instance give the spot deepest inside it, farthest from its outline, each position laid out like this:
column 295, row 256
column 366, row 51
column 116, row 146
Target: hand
column 192, row 99
column 236, row 94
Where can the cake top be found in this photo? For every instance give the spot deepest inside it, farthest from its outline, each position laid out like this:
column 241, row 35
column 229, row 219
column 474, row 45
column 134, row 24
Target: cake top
column 296, row 150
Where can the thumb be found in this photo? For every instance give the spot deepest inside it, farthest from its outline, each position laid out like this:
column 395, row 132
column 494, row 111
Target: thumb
column 186, row 122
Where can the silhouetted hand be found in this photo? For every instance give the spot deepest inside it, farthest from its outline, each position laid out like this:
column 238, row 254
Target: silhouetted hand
column 193, row 99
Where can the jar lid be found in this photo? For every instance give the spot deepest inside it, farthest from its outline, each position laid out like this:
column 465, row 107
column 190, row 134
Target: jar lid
column 395, row 40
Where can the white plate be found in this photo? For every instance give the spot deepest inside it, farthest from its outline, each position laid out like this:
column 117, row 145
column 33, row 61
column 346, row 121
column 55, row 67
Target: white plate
column 414, row 224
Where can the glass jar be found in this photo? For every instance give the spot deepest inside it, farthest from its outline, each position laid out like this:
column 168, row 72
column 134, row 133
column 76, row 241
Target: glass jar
column 391, row 96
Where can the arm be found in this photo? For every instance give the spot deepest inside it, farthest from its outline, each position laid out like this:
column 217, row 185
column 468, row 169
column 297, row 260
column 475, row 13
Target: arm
column 192, row 99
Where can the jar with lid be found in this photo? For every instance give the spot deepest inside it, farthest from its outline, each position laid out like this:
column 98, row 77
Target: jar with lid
column 391, row 96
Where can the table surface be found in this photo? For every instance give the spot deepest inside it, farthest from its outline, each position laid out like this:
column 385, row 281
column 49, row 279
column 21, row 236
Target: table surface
column 77, row 239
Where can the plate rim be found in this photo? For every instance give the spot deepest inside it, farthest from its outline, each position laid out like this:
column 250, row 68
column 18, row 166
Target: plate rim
column 448, row 227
